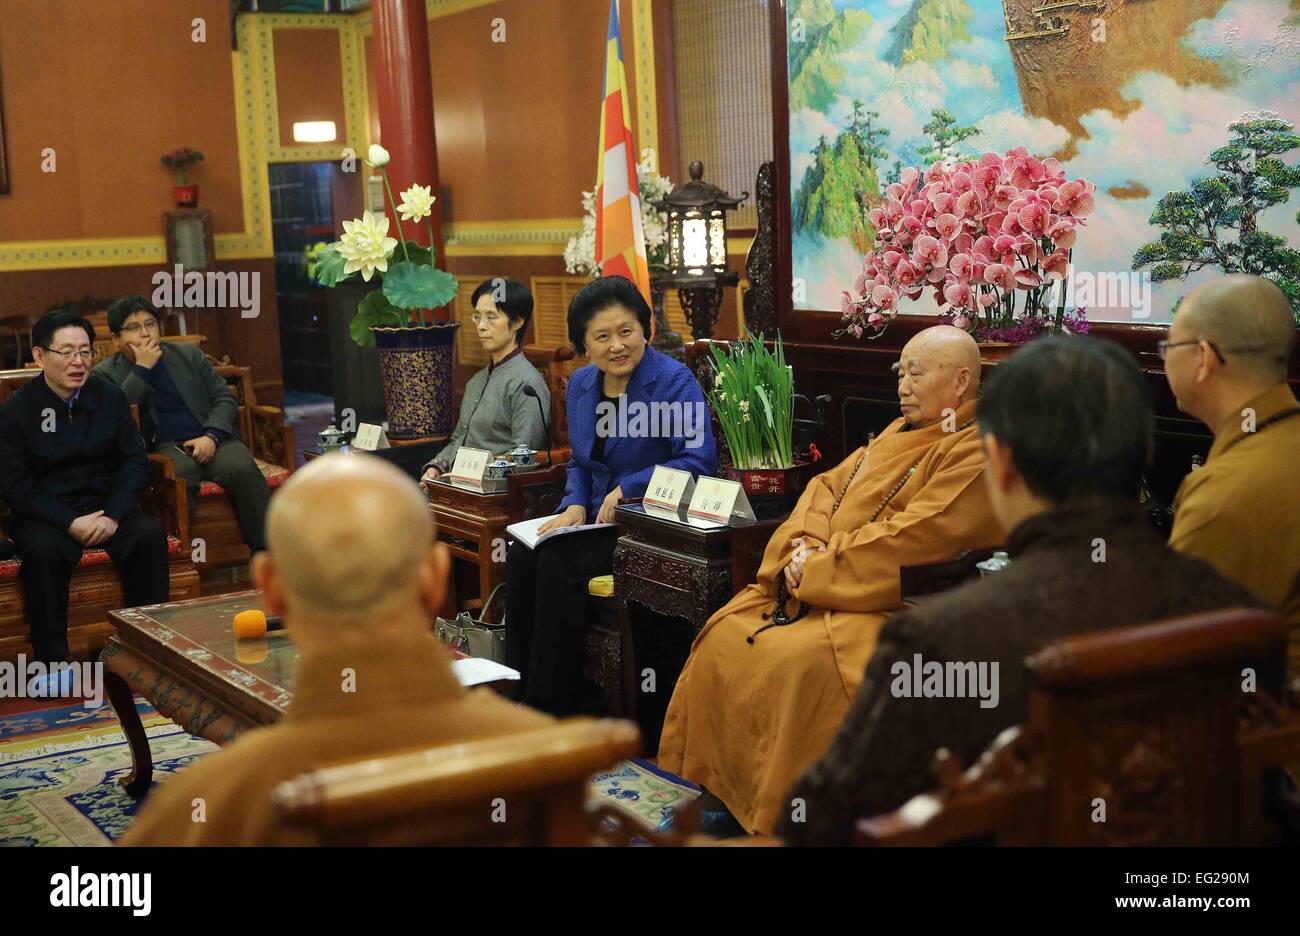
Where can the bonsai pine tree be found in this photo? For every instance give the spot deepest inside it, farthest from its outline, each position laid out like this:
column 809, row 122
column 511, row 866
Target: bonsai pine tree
column 1215, row 222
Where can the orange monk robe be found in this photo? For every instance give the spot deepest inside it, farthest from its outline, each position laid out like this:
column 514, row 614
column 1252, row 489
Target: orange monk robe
column 746, row 719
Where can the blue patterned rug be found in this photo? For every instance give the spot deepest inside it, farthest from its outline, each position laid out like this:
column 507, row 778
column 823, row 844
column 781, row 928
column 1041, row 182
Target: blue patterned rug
column 645, row 792
column 59, row 771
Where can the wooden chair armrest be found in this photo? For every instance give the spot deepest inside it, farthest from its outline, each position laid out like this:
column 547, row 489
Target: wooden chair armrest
column 271, row 437
column 165, row 498
column 1003, row 794
column 528, row 491
column 387, row 788
column 929, row 820
column 933, row 577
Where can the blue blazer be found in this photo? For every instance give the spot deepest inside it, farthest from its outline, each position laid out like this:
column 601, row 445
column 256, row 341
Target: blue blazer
column 662, row 420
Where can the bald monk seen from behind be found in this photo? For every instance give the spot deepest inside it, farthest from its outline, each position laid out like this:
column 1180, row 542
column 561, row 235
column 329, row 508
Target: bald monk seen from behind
column 353, row 569
column 1226, row 360
column 773, row 673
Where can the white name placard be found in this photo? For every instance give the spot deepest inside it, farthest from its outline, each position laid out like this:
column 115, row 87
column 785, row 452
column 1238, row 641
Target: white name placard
column 370, row 438
column 469, row 467
column 719, row 501
column 669, row 491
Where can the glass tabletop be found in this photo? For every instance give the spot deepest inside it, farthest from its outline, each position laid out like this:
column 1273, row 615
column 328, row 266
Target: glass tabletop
column 202, row 630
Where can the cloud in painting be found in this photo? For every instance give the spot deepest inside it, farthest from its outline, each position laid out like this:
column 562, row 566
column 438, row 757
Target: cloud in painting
column 1161, row 144
column 1164, row 143
column 1007, row 130
column 806, row 127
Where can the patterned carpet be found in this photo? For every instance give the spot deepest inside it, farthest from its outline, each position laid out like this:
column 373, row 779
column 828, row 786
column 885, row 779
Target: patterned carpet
column 59, row 770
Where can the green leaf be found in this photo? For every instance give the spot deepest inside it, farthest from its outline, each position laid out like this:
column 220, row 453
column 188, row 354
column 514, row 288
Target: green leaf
column 410, row 286
column 329, row 266
column 419, row 255
column 373, row 310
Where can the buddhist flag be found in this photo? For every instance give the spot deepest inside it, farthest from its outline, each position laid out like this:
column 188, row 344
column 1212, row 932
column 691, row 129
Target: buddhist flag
column 620, row 240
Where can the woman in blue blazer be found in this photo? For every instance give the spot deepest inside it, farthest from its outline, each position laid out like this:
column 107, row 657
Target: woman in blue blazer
column 631, row 409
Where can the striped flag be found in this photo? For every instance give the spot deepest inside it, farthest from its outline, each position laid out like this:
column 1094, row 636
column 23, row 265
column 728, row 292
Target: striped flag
column 620, row 240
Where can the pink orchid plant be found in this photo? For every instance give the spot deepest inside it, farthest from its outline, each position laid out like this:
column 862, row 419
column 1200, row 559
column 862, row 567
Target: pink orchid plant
column 991, row 239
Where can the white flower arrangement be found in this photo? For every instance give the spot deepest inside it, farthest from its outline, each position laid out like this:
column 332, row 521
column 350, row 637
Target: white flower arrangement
column 580, row 252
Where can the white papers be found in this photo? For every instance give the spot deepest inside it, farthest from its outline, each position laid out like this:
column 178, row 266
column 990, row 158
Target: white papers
column 474, row 671
column 526, row 530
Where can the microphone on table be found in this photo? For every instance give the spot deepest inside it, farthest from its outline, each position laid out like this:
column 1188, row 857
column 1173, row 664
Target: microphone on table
column 531, row 391
column 255, row 623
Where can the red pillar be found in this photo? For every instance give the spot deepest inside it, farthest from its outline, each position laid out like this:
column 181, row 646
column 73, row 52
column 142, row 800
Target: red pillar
column 406, row 108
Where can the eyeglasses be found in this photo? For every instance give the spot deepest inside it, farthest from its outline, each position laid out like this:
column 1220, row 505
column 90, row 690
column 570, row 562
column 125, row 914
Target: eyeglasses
column 1162, row 348
column 490, row 318
column 136, row 327
column 86, row 354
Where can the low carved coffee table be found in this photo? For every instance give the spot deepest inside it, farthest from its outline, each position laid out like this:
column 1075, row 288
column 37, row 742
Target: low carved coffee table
column 184, row 658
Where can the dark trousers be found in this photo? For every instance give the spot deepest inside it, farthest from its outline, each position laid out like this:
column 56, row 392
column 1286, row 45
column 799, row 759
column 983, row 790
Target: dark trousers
column 546, row 618
column 234, row 469
column 138, row 550
column 661, row 645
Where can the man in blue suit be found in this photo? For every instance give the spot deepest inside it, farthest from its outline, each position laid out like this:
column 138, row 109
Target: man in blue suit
column 630, row 410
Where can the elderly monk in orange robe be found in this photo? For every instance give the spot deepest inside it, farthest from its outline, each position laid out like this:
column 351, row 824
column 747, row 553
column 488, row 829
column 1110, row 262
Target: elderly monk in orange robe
column 356, row 575
column 757, row 702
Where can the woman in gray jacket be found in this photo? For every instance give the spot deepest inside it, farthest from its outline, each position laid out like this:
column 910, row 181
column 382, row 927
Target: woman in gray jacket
column 495, row 413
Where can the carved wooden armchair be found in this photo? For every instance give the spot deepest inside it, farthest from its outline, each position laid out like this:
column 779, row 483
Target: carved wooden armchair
column 445, row 795
column 558, row 365
column 95, row 589
column 1148, row 726
column 930, row 578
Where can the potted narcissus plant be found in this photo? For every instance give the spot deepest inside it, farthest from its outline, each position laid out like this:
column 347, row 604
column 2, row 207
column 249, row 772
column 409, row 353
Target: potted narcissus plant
column 753, row 398
column 180, row 162
column 416, row 349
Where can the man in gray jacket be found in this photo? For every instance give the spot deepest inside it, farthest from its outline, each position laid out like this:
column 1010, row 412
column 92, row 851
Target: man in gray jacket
column 186, row 412
column 495, row 413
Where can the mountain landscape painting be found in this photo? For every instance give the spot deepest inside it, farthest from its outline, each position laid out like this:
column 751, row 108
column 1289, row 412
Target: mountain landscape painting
column 1181, row 112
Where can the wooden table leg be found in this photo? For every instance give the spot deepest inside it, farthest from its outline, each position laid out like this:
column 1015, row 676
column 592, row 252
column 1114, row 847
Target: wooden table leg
column 123, row 701
column 486, row 572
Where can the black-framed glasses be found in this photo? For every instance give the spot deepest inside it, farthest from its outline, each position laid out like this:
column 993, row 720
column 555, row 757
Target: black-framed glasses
column 1162, row 348
column 133, row 327
column 86, row 354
